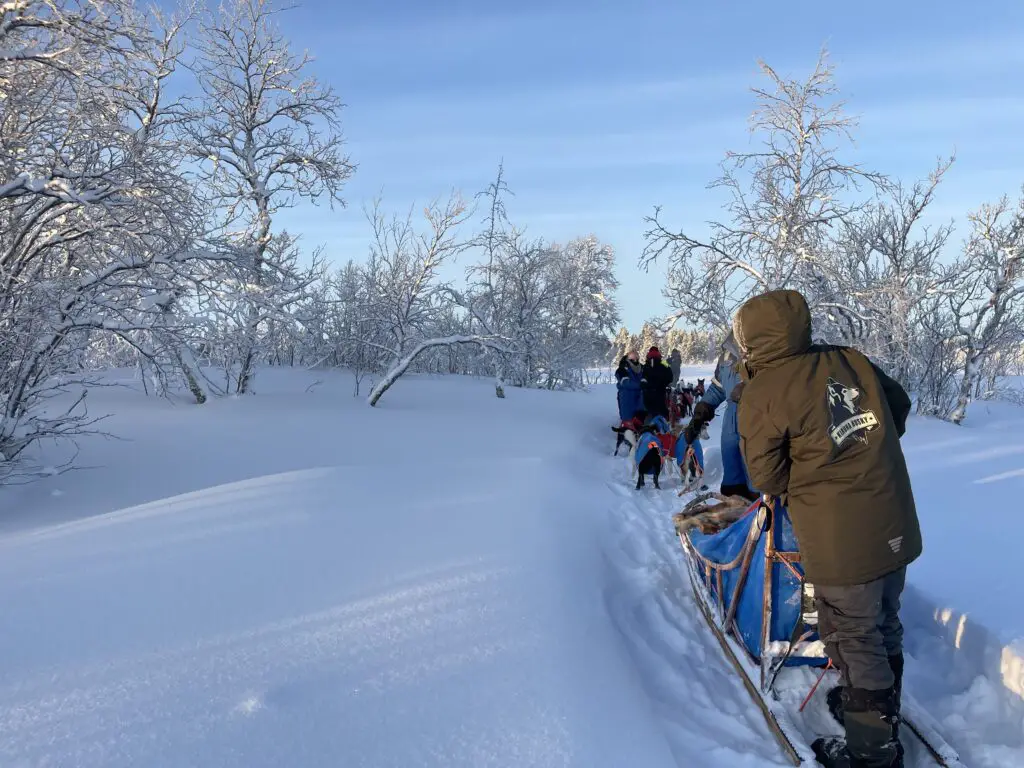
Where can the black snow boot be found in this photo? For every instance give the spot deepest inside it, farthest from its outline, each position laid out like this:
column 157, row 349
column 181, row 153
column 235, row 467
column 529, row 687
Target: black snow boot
column 870, row 719
column 835, row 707
column 834, row 698
column 896, row 665
column 831, row 752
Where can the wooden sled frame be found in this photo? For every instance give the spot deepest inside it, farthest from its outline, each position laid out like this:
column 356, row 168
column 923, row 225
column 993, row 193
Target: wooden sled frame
column 724, row 623
column 723, row 626
column 770, row 663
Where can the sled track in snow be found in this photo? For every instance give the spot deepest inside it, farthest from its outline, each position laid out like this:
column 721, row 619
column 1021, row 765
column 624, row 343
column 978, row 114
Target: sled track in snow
column 706, row 714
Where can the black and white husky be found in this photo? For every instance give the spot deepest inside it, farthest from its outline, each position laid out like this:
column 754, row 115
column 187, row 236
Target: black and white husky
column 645, row 457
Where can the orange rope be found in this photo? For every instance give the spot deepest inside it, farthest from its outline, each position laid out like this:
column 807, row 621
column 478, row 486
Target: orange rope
column 816, row 684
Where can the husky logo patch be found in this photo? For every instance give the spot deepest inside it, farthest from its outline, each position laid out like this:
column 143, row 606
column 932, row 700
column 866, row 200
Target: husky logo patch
column 848, row 419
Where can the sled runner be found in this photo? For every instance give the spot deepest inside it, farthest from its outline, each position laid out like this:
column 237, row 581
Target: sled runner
column 744, row 567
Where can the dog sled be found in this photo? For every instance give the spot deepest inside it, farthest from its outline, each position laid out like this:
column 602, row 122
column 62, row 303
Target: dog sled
column 744, row 567
column 686, row 461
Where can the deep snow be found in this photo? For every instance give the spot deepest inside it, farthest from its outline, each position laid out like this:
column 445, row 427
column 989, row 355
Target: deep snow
column 450, row 579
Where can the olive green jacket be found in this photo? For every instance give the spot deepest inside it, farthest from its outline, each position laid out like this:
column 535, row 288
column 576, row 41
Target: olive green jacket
column 820, row 426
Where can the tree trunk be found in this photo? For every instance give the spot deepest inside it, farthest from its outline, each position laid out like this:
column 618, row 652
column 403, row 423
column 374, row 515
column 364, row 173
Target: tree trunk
column 187, row 371
column 972, row 373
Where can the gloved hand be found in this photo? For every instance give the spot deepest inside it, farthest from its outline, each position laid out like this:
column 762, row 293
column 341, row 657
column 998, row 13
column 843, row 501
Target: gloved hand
column 695, row 430
column 703, row 412
column 737, row 391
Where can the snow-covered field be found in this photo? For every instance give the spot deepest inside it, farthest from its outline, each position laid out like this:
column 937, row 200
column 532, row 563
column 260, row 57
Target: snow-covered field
column 295, row 579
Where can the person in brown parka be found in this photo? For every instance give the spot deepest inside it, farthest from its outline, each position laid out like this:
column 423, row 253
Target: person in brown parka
column 820, row 427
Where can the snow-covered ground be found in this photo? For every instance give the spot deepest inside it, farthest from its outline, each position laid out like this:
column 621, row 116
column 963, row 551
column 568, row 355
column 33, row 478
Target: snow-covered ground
column 450, row 579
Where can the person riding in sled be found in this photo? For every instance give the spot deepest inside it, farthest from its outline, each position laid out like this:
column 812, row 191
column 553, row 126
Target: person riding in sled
column 726, row 387
column 820, row 428
column 657, row 378
column 627, row 377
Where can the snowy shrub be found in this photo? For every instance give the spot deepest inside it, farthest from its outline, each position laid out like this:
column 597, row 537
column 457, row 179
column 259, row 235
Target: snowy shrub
column 95, row 214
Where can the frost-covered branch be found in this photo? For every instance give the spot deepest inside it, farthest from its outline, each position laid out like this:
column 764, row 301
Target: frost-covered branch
column 402, row 365
column 783, row 202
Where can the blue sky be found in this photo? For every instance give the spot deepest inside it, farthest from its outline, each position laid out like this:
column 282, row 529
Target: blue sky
column 602, row 110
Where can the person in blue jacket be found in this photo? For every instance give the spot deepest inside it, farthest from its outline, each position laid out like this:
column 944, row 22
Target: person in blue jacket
column 628, row 376
column 726, row 387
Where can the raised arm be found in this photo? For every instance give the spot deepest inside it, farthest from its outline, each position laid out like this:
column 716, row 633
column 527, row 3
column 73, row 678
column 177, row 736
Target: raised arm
column 765, row 448
column 714, row 395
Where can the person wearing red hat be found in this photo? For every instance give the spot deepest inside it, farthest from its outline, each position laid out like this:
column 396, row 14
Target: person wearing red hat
column 656, row 378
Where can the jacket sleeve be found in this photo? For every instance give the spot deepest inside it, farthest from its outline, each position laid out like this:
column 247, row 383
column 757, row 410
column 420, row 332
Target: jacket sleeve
column 714, row 395
column 899, row 400
column 765, row 448
column 666, row 375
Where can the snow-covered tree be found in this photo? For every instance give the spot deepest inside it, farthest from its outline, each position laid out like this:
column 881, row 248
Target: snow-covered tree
column 582, row 310
column 986, row 298
column 408, row 303
column 252, row 324
column 265, row 134
column 937, row 327
column 650, row 336
column 406, row 295
column 93, row 205
column 784, row 200
column 885, row 262
column 620, row 346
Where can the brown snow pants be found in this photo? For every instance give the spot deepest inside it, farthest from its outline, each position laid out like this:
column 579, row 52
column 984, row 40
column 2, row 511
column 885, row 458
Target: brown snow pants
column 860, row 627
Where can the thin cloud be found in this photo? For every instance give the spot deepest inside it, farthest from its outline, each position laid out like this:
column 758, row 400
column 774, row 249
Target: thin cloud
column 967, row 58
column 948, row 113
column 555, row 144
column 564, row 94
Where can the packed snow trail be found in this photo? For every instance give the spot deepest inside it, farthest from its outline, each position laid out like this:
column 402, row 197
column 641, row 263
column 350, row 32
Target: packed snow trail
column 700, row 702
column 705, row 712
